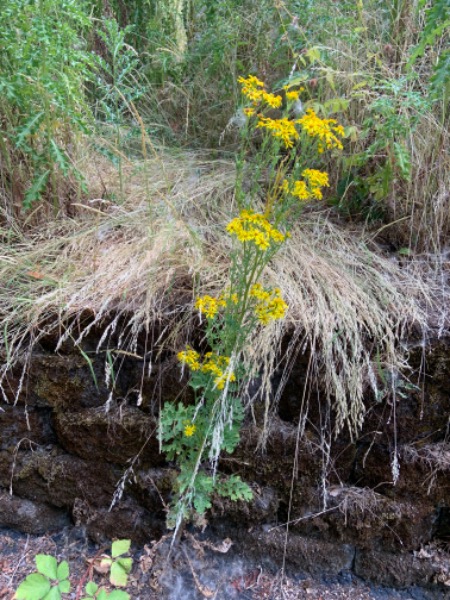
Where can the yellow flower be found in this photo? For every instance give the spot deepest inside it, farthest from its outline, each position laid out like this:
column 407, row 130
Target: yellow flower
column 284, row 129
column 190, row 358
column 328, row 131
column 309, row 187
column 255, row 228
column 209, row 306
column 214, row 363
column 300, row 190
column 252, row 88
column 251, row 81
column 270, row 305
column 316, row 178
column 292, row 96
column 261, row 240
column 189, row 430
column 257, row 291
column 218, row 367
column 221, row 380
column 272, row 100
column 249, row 112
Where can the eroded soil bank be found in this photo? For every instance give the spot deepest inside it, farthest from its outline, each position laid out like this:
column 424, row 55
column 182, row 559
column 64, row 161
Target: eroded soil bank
column 198, row 569
column 73, row 453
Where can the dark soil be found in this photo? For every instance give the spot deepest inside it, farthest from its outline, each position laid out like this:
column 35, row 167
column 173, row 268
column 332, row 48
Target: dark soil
column 194, row 571
column 65, row 459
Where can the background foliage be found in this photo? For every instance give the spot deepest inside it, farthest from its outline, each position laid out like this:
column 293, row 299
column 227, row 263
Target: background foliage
column 44, row 67
column 168, row 69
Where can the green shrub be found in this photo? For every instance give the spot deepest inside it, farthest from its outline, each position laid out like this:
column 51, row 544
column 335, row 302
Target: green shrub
column 436, row 29
column 118, row 85
column 52, row 579
column 194, row 92
column 43, row 67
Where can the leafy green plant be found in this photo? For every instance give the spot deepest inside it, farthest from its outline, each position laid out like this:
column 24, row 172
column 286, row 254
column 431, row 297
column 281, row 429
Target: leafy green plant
column 118, row 78
column 52, row 579
column 118, row 565
column 118, row 83
column 43, row 68
column 437, row 26
column 48, row 583
column 278, row 171
column 392, row 116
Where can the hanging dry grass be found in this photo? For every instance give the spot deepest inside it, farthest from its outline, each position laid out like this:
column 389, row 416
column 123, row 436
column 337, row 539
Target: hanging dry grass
column 433, row 458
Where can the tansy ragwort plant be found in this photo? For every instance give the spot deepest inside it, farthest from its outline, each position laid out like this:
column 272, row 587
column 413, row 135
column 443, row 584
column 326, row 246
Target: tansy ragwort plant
column 195, row 435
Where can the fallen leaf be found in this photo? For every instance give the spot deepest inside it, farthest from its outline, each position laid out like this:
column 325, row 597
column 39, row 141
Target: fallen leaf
column 101, row 565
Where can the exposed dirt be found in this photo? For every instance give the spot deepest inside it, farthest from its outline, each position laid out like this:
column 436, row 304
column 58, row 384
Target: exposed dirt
column 198, row 569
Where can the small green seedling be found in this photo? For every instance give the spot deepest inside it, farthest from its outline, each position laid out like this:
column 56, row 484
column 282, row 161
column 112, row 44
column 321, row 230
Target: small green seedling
column 48, row 583
column 52, row 579
column 94, row 593
column 118, row 565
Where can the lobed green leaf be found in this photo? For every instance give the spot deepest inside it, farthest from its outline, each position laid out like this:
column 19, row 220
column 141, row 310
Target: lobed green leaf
column 120, row 547
column 35, row 587
column 118, row 576
column 91, row 588
column 47, row 565
column 62, row 571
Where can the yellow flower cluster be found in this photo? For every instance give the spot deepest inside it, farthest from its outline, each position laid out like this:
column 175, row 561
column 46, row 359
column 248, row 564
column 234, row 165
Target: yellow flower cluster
column 254, row 90
column 251, row 87
column 212, row 363
column 191, row 358
column 327, row 130
column 292, row 95
column 309, row 187
column 316, row 180
column 255, row 228
column 284, row 129
column 270, row 305
column 300, row 190
column 217, row 366
column 189, row 429
column 209, row 306
column 272, row 100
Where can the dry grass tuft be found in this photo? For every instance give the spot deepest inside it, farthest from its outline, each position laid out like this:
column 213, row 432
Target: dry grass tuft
column 131, row 265
column 135, row 260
